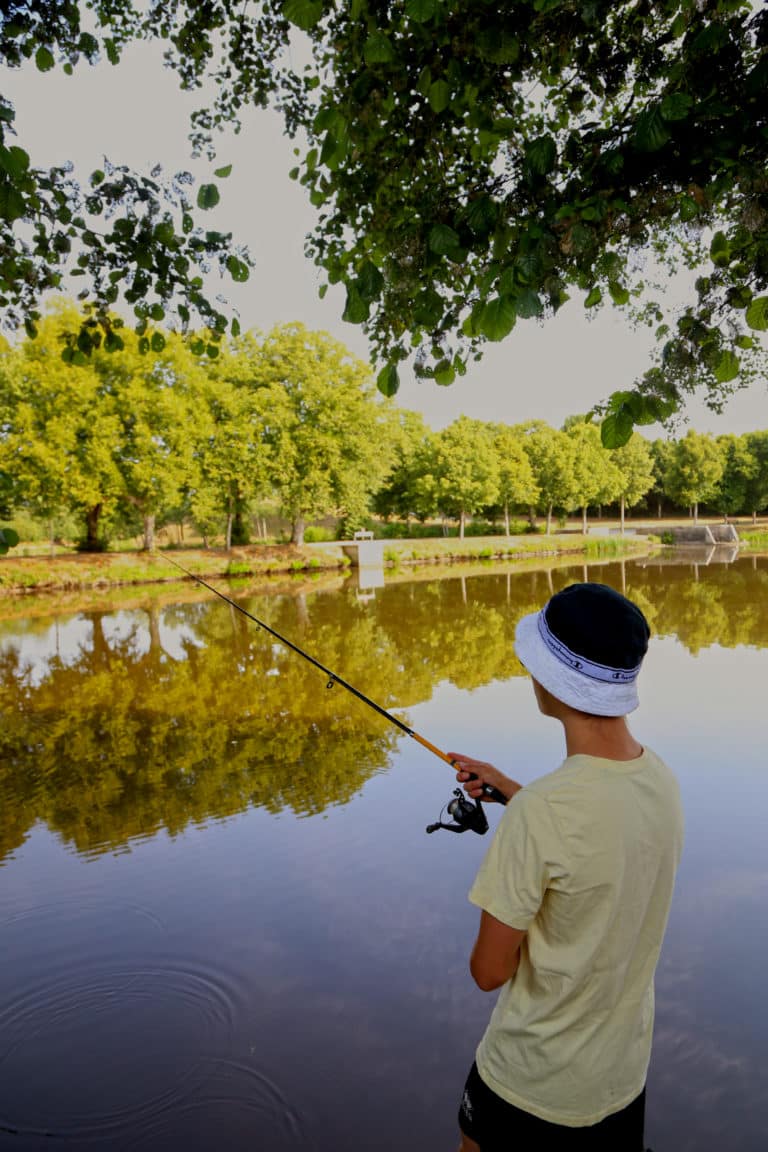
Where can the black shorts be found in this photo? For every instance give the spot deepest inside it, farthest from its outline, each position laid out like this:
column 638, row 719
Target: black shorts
column 501, row 1127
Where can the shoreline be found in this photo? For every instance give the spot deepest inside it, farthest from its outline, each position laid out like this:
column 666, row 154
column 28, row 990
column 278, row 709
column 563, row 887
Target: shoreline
column 67, row 572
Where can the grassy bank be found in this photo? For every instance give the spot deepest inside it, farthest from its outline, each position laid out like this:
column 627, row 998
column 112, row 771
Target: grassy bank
column 73, row 571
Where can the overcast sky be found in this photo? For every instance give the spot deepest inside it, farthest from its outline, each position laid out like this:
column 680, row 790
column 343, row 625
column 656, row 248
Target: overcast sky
column 135, row 114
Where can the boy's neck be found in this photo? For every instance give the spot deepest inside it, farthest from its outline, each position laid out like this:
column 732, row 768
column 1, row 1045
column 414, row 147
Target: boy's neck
column 608, row 737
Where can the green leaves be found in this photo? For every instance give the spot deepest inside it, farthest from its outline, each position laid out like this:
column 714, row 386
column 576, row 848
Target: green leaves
column 443, row 240
column 388, row 380
column 378, row 49
column 497, row 318
column 421, row 10
column 44, row 59
column 305, row 14
column 541, row 155
column 594, row 297
column 207, row 196
column 676, row 106
column 8, row 539
column 238, row 269
column 757, row 314
column 222, row 173
column 439, row 96
column 651, row 132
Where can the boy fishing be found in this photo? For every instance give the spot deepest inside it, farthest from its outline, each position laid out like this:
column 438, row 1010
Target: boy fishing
column 574, row 895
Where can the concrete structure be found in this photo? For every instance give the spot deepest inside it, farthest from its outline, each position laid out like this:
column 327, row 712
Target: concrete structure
column 703, row 534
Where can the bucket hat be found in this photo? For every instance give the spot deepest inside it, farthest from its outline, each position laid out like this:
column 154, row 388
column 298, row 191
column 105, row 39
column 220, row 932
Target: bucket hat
column 585, row 647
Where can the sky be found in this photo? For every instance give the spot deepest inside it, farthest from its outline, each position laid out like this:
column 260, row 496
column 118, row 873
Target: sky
column 136, row 115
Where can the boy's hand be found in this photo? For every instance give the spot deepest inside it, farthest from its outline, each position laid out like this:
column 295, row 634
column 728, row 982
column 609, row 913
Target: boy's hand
column 473, row 774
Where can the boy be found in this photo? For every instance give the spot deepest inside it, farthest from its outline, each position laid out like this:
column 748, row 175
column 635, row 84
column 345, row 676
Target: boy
column 574, row 896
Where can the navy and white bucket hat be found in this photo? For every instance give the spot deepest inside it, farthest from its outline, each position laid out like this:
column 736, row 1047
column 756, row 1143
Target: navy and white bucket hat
column 585, row 647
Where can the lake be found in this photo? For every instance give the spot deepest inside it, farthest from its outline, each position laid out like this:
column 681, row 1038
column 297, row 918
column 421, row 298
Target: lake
column 222, row 925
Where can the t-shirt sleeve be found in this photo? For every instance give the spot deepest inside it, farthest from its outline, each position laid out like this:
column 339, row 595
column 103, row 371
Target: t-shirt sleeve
column 522, row 858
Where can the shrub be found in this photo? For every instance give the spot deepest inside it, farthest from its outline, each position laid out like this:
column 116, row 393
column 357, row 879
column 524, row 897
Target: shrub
column 314, row 534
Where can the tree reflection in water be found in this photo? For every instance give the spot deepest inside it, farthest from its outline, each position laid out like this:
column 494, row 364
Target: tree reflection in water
column 125, row 736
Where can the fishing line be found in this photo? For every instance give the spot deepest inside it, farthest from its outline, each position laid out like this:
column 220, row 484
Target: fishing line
column 458, row 811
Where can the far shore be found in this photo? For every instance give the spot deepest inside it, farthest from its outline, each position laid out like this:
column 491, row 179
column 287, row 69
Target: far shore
column 69, row 570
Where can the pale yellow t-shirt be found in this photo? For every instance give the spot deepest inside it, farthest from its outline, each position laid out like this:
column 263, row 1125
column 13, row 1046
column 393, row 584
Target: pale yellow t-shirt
column 584, row 859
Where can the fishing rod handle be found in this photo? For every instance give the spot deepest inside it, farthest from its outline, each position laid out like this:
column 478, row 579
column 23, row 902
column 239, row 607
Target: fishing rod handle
column 489, row 791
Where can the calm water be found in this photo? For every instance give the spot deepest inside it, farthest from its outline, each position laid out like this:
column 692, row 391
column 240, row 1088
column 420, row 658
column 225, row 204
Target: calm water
column 221, row 923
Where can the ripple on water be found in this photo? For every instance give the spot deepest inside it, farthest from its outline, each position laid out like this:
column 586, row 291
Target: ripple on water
column 236, row 1106
column 91, row 1053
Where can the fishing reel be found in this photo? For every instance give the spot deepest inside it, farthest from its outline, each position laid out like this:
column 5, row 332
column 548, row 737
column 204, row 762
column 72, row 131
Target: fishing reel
column 468, row 815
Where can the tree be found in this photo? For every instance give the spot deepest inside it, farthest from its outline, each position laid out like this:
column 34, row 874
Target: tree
column 326, row 429
column 739, row 469
column 552, row 457
column 595, row 477
column 397, row 495
column 696, row 467
column 471, row 164
column 517, row 485
column 757, row 491
column 634, row 462
column 465, row 469
column 59, row 432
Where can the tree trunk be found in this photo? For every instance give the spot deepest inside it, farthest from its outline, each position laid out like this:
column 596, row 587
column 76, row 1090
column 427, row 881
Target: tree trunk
column 92, row 528
column 549, row 519
column 149, row 533
column 506, row 519
column 297, row 531
column 696, row 512
column 462, row 522
column 532, row 517
column 658, row 510
column 228, row 538
column 621, row 505
column 584, row 525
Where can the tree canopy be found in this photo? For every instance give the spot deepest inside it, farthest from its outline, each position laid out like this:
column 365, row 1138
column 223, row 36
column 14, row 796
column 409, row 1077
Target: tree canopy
column 473, row 164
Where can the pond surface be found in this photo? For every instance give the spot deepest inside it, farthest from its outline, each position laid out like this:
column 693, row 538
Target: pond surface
column 221, row 923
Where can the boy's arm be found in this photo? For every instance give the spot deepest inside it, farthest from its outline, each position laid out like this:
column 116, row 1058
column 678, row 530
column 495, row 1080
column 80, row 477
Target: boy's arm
column 496, row 953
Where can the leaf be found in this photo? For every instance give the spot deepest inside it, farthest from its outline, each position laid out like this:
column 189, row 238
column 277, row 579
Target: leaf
column 528, row 304
column 356, row 309
column 157, row 343
column 617, row 428
column 676, row 106
column 689, row 209
column 428, row 308
column 421, row 10
column 727, row 367
column 238, row 269
column 44, row 59
column 222, row 173
column 651, row 132
column 720, row 250
column 97, row 177
column 541, row 155
column 444, row 373
column 369, row 281
column 442, row 239
column 439, row 96
column 305, row 14
column 594, row 297
column 497, row 318
column 482, row 214
column 207, row 196
column 30, row 328
column 388, row 380
column 619, row 294
column 378, row 49
column 113, row 52
column 757, row 314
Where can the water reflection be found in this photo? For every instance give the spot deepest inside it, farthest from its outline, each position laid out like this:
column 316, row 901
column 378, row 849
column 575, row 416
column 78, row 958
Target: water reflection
column 118, row 724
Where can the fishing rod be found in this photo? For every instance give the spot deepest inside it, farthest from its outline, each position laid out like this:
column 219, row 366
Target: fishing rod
column 467, row 814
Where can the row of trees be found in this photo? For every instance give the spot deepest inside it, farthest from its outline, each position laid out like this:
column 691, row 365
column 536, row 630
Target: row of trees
column 144, row 435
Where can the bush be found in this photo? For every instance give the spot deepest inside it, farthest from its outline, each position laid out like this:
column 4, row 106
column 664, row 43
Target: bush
column 317, row 535
column 238, row 568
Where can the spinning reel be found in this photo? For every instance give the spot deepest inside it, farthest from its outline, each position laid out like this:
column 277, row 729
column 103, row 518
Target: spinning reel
column 468, row 815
